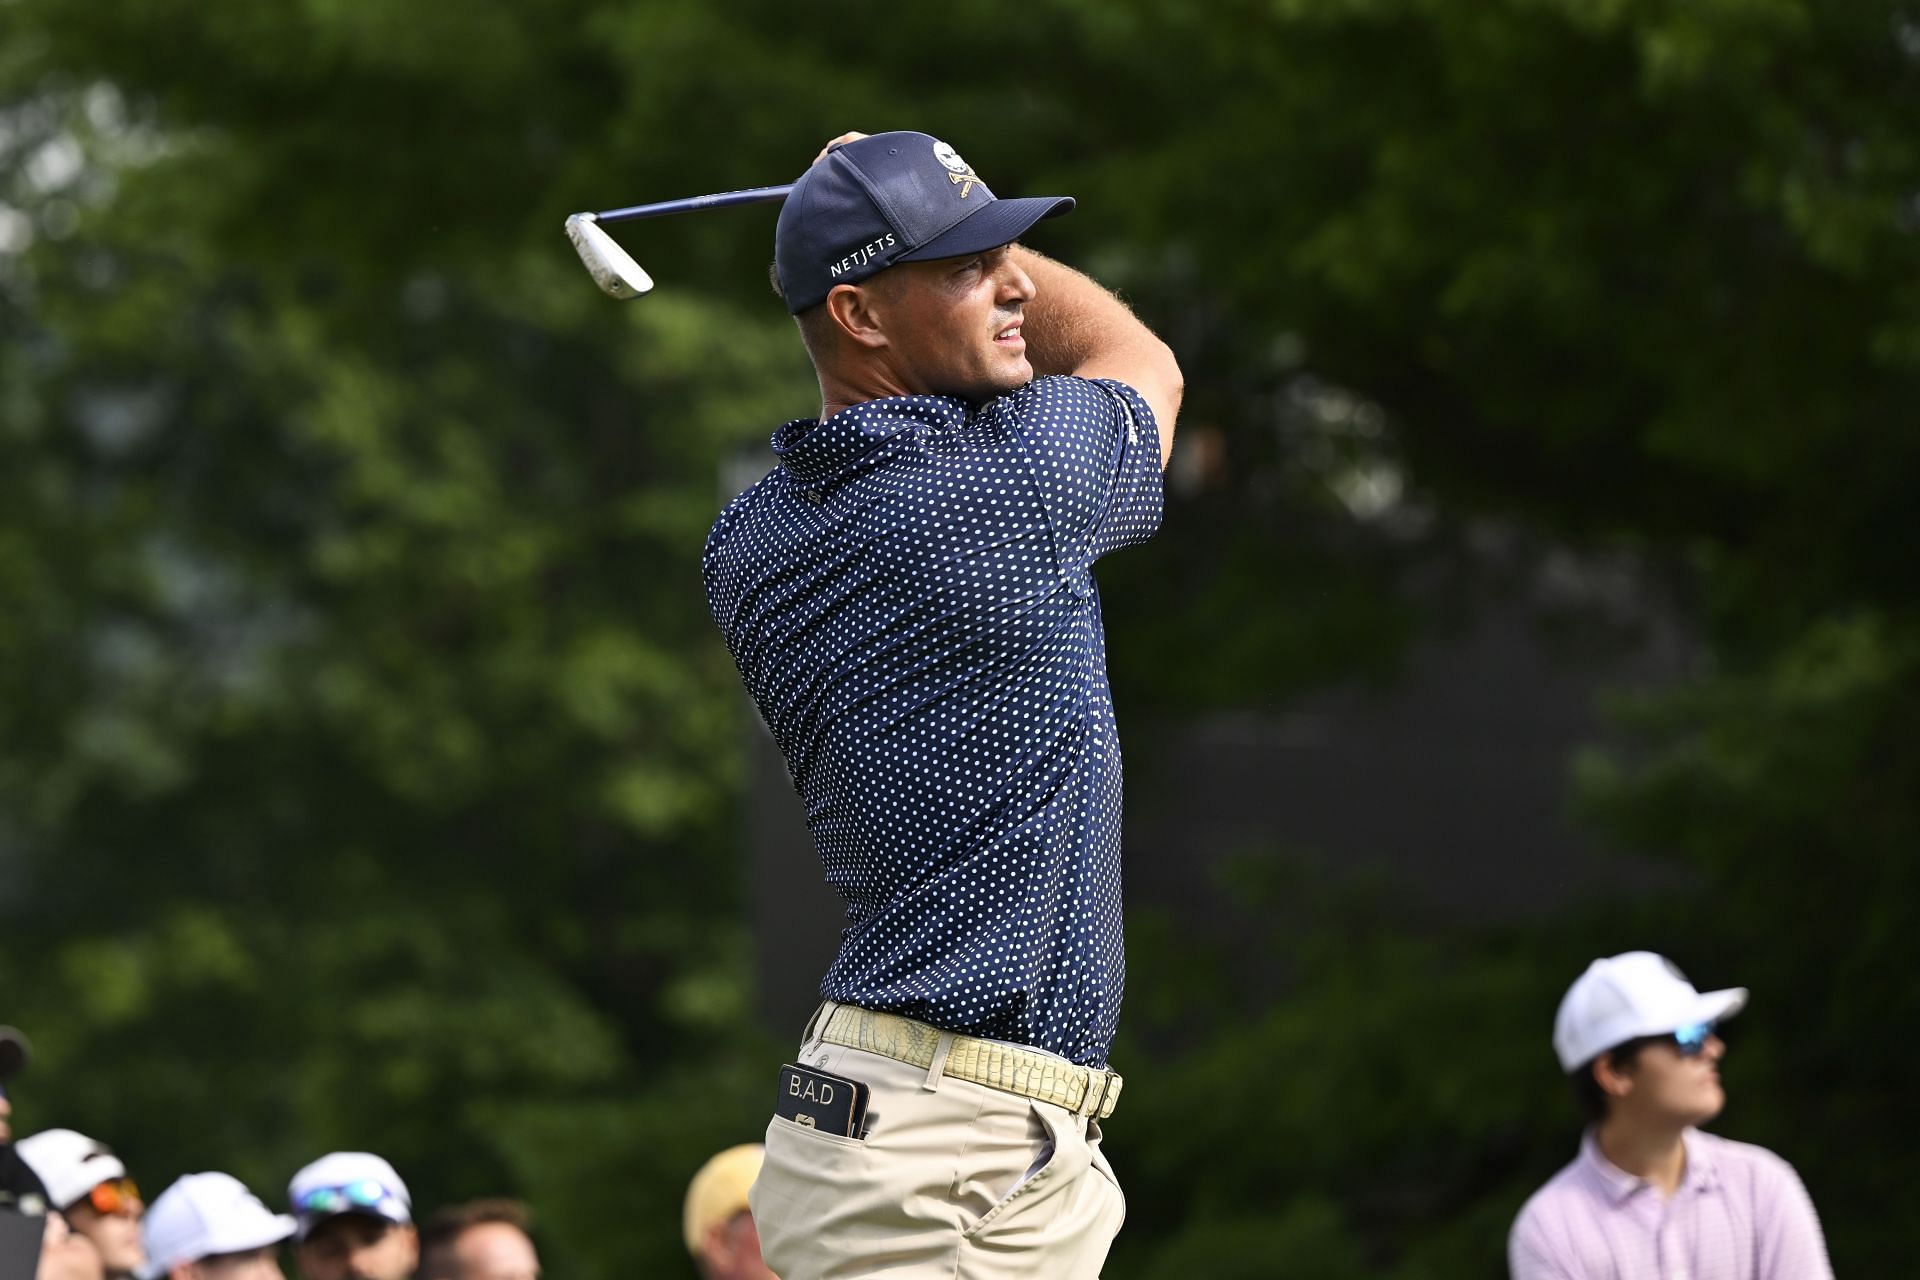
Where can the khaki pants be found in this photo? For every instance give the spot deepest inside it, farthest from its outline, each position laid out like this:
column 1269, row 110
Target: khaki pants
column 953, row 1180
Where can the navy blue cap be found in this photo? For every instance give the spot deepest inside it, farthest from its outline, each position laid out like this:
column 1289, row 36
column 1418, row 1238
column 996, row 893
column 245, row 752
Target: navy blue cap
column 891, row 197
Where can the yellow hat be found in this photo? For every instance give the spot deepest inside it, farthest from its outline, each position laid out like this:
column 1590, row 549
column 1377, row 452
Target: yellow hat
column 719, row 1191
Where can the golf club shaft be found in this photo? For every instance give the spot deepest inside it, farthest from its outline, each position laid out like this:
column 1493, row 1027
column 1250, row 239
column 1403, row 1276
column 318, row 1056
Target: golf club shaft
column 752, row 195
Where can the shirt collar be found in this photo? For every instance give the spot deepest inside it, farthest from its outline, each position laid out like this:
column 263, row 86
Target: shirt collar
column 1702, row 1173
column 1618, row 1184
column 812, row 451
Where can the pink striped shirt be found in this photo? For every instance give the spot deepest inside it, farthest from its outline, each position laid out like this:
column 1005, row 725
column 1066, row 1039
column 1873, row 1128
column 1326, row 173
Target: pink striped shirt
column 1739, row 1213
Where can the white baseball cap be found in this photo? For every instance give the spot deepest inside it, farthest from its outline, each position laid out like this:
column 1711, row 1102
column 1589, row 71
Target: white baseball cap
column 69, row 1164
column 348, row 1182
column 204, row 1214
column 1636, row 993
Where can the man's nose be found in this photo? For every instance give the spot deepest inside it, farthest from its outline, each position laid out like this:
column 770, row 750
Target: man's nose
column 1716, row 1048
column 1015, row 284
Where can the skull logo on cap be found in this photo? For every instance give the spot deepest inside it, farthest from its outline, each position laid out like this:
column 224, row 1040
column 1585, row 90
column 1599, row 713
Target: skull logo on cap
column 950, row 158
column 959, row 172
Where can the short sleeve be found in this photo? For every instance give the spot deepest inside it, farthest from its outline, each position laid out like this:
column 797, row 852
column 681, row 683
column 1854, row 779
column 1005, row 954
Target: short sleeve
column 1528, row 1257
column 1095, row 450
column 1792, row 1245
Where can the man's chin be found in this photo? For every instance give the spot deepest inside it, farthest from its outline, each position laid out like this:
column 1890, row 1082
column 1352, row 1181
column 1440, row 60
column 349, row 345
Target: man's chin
column 1001, row 384
column 1016, row 376
column 1708, row 1109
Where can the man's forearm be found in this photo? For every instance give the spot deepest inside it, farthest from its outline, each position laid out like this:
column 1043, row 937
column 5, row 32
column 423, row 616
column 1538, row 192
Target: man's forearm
column 1073, row 318
column 1073, row 325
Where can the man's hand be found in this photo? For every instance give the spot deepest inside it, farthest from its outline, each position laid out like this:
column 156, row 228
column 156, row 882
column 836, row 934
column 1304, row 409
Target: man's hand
column 840, row 141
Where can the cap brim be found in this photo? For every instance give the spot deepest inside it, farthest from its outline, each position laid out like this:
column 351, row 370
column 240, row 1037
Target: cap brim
column 276, row 1228
column 242, row 1237
column 305, row 1225
column 97, row 1170
column 1718, row 1006
column 992, row 225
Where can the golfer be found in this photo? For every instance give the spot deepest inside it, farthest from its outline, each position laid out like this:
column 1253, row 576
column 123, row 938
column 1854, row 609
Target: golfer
column 1650, row 1194
column 910, row 600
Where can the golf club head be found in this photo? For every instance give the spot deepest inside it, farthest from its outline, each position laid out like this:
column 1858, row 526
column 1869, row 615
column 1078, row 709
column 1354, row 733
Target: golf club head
column 617, row 274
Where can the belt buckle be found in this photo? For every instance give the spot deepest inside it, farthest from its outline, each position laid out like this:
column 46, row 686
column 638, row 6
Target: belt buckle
column 1106, row 1090
column 1092, row 1102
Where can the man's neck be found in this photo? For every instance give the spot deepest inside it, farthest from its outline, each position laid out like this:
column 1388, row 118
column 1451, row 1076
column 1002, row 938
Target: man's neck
column 1655, row 1153
column 874, row 381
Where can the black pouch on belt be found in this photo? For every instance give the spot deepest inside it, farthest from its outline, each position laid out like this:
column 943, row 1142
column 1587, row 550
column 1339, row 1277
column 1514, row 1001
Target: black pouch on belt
column 819, row 1100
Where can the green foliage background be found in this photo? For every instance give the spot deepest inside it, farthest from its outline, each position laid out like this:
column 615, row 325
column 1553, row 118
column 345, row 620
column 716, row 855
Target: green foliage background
column 369, row 773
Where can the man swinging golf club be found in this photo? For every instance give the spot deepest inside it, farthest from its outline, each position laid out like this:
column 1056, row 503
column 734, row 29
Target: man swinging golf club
column 909, row 598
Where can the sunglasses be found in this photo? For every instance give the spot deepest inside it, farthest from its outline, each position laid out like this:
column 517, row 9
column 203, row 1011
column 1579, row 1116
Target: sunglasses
column 366, row 1193
column 116, row 1195
column 1691, row 1040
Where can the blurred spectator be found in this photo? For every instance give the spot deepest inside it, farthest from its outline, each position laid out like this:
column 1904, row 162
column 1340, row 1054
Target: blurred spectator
column 22, row 1201
column 89, row 1185
column 207, row 1226
column 20, row 1189
column 1650, row 1194
column 65, row 1254
column 355, row 1219
column 479, row 1240
column 715, row 1222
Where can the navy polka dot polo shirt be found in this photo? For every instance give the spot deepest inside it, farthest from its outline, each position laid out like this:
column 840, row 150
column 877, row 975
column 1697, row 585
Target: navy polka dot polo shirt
column 910, row 600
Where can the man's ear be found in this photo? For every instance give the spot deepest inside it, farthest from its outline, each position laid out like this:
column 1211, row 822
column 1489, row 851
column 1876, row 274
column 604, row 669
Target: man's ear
column 714, row 1245
column 854, row 314
column 1613, row 1081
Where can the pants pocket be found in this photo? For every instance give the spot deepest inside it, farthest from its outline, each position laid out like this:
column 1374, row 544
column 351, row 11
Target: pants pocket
column 1105, row 1169
column 1055, row 1153
column 803, row 1193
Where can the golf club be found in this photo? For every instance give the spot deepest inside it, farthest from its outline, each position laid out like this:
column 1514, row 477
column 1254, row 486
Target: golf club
column 612, row 267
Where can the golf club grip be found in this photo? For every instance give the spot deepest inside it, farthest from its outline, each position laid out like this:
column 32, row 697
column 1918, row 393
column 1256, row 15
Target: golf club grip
column 752, row 195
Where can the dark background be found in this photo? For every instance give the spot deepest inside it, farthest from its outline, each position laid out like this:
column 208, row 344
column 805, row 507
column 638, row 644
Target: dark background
column 1537, row 583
